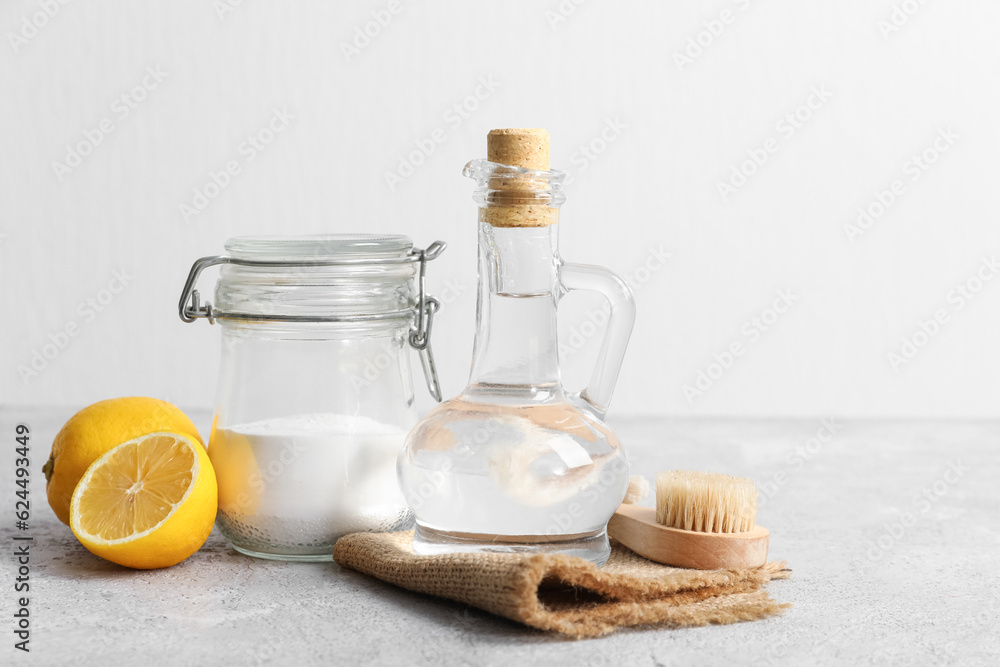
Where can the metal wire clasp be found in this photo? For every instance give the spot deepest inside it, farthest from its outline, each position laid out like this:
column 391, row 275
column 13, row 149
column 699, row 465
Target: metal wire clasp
column 191, row 308
column 420, row 335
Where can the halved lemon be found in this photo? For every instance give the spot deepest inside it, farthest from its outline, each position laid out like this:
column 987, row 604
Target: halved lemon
column 147, row 503
column 93, row 431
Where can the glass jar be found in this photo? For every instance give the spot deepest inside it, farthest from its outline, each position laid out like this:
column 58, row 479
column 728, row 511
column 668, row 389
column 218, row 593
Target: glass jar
column 516, row 463
column 315, row 394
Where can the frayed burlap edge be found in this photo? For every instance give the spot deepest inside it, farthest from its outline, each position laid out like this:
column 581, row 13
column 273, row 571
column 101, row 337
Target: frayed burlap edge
column 566, row 594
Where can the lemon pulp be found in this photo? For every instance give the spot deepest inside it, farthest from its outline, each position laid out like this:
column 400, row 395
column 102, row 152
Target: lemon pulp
column 137, row 487
column 147, row 503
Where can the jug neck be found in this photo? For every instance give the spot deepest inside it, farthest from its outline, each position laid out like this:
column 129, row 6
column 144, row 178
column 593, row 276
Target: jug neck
column 516, row 349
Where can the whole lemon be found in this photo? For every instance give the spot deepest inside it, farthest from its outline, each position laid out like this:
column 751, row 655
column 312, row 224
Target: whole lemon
column 96, row 429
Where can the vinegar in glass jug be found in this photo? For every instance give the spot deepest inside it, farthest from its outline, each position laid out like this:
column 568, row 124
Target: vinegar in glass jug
column 516, row 462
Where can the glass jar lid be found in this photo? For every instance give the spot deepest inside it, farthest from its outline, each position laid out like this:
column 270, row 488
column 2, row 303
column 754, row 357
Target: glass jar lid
column 321, row 278
column 321, row 246
column 329, row 279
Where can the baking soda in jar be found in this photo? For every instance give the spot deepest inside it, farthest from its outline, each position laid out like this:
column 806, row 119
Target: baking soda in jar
column 300, row 482
column 315, row 390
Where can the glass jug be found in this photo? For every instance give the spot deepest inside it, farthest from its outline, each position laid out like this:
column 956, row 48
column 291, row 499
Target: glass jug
column 515, row 463
column 315, row 395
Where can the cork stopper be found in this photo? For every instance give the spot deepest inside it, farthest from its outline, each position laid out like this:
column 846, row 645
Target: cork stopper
column 518, row 147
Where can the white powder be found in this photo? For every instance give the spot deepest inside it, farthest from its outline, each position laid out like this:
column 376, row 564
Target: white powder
column 306, row 479
column 314, row 424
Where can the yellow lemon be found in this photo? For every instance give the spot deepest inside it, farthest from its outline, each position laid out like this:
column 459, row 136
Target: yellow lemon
column 240, row 481
column 147, row 503
column 91, row 432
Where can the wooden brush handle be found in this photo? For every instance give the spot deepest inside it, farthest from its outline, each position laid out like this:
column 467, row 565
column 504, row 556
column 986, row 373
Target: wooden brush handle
column 636, row 528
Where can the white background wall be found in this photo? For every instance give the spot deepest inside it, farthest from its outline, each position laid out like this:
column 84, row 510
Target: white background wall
column 683, row 127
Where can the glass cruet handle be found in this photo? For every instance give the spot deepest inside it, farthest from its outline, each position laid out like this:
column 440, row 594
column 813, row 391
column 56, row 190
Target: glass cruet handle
column 609, row 361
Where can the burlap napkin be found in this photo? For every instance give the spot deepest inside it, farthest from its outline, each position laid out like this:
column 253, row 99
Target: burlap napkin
column 566, row 594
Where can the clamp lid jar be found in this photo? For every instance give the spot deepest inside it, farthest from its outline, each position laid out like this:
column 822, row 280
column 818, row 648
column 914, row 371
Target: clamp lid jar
column 315, row 394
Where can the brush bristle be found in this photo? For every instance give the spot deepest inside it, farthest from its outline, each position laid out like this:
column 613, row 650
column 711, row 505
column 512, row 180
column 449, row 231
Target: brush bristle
column 638, row 488
column 705, row 502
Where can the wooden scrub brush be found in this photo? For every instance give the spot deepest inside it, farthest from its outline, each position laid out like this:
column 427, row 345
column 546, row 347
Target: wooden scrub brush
column 702, row 520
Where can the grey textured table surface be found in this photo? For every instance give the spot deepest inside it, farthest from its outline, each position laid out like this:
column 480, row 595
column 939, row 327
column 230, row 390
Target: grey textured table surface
column 892, row 531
